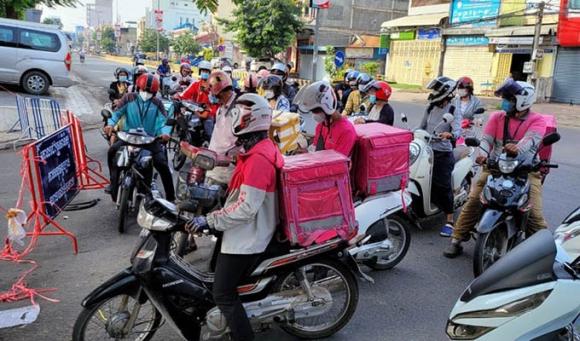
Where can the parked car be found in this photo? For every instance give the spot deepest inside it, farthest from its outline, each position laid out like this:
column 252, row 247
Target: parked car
column 34, row 56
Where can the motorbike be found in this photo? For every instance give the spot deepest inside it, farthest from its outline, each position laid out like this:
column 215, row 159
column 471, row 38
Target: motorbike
column 566, row 234
column 421, row 160
column 310, row 293
column 135, row 172
column 505, row 198
column 188, row 127
column 530, row 294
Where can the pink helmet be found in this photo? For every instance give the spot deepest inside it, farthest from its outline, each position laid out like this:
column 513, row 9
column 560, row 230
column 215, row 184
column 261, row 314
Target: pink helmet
column 218, row 82
column 251, row 81
column 263, row 74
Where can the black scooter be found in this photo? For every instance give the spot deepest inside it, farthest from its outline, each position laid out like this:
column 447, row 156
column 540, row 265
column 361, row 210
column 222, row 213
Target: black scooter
column 505, row 199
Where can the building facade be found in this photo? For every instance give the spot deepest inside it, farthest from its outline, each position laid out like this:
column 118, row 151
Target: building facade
column 99, row 13
column 33, row 15
column 566, row 88
column 177, row 14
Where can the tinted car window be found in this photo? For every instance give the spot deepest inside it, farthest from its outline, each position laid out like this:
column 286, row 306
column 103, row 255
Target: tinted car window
column 7, row 37
column 36, row 40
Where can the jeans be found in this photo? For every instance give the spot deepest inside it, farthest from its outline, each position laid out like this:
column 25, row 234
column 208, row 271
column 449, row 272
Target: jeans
column 472, row 209
column 159, row 162
column 230, row 270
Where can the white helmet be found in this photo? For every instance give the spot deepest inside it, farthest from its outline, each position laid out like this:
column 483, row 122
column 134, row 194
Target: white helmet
column 441, row 88
column 253, row 114
column 204, row 65
column 279, row 67
column 318, row 95
column 524, row 93
column 227, row 68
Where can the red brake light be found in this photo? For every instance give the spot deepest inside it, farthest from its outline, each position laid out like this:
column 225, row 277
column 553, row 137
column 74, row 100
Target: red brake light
column 68, row 61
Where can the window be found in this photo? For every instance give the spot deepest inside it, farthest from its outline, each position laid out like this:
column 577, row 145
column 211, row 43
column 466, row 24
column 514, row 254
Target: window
column 574, row 5
column 36, row 40
column 7, row 37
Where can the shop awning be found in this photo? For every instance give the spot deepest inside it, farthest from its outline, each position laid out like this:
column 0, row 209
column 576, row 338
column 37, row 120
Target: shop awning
column 415, row 21
column 521, row 31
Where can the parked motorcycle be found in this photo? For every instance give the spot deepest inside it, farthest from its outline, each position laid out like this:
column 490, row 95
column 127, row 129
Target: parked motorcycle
column 187, row 127
column 530, row 294
column 568, row 234
column 505, row 198
column 421, row 160
column 310, row 293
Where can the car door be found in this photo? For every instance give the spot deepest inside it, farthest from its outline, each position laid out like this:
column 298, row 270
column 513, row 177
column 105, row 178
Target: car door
column 8, row 54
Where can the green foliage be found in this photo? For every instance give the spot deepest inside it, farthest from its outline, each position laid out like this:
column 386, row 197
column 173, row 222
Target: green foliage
column 149, row 41
column 53, row 21
column 371, row 68
column 185, row 44
column 108, row 41
column 264, row 28
column 329, row 65
column 14, row 9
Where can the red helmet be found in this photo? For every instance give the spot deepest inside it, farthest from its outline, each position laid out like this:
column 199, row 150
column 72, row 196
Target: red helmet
column 149, row 83
column 465, row 82
column 383, row 89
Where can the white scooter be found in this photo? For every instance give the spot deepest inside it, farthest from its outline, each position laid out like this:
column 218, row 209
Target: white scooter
column 421, row 158
column 533, row 293
column 568, row 234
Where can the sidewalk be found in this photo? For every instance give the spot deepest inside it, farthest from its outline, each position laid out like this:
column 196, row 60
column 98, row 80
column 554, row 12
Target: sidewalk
column 567, row 115
column 127, row 60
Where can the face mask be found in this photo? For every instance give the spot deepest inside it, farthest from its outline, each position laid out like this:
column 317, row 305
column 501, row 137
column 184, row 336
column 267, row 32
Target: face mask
column 122, row 78
column 462, row 92
column 319, row 117
column 373, row 99
column 213, row 99
column 145, row 96
column 204, row 76
column 269, row 94
column 508, row 107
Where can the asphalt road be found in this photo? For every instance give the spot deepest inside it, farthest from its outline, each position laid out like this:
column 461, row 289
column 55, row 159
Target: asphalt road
column 410, row 302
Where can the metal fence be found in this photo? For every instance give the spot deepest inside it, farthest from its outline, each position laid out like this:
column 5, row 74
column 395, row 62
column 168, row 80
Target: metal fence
column 37, row 117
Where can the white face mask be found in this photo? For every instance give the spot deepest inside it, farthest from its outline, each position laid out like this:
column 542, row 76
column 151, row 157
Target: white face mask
column 269, row 94
column 318, row 117
column 145, row 96
column 462, row 92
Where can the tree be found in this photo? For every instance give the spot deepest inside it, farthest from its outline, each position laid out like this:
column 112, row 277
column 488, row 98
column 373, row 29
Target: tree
column 264, row 28
column 371, row 68
column 329, row 65
column 14, row 9
column 185, row 44
column 108, row 40
column 149, row 41
column 53, row 21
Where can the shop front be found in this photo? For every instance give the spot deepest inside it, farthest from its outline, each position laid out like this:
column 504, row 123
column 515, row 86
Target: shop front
column 469, row 56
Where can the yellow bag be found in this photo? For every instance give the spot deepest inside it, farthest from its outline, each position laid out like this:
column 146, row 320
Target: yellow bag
column 285, row 130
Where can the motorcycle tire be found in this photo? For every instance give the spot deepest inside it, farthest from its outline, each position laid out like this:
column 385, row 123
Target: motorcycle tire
column 481, row 249
column 85, row 317
column 126, row 194
column 178, row 157
column 353, row 294
column 403, row 232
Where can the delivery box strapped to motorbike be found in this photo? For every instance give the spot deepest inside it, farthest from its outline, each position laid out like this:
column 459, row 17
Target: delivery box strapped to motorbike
column 285, row 130
column 380, row 158
column 316, row 198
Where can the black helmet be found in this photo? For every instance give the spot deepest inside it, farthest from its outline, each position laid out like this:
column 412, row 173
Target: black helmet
column 441, row 88
column 273, row 83
column 121, row 69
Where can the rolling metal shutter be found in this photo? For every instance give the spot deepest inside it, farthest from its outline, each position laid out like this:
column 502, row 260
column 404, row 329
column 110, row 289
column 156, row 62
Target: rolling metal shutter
column 566, row 76
column 474, row 62
column 413, row 61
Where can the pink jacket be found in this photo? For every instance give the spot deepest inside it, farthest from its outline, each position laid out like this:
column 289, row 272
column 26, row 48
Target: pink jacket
column 250, row 214
column 340, row 136
column 526, row 131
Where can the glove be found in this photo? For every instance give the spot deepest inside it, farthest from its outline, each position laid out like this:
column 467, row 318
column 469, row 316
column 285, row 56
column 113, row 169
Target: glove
column 196, row 224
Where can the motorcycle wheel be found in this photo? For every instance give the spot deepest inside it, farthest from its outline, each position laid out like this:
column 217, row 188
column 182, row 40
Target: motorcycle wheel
column 342, row 285
column 106, row 320
column 126, row 194
column 178, row 157
column 395, row 228
column 489, row 248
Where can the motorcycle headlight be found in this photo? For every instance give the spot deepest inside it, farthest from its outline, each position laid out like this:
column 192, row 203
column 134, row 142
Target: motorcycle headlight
column 507, row 166
column 457, row 331
column 414, row 151
column 149, row 221
column 511, row 309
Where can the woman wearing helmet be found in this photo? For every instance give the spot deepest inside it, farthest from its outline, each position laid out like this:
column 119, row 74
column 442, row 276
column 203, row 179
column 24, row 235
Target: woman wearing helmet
column 271, row 86
column 137, row 72
column 281, row 70
column 183, row 79
column 250, row 216
column 120, row 87
column 515, row 130
column 353, row 98
column 378, row 96
column 333, row 131
column 466, row 102
column 442, row 90
column 250, row 83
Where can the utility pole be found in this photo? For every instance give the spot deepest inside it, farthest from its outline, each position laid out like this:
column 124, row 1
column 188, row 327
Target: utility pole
column 315, row 47
column 158, row 8
column 533, row 77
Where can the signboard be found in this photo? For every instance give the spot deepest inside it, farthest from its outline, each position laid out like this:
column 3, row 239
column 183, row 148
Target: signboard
column 159, row 19
column 57, row 170
column 409, row 35
column 528, row 67
column 519, row 50
column 473, row 12
column 339, row 58
column 428, row 33
column 467, row 41
column 359, row 52
column 320, row 4
column 229, row 50
column 514, row 40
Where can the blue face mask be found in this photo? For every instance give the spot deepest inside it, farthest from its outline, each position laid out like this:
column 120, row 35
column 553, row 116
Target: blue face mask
column 204, row 76
column 372, row 99
column 507, row 106
column 122, row 78
column 213, row 99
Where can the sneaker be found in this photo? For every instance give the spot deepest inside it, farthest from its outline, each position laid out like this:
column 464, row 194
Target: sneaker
column 453, row 250
column 447, row 230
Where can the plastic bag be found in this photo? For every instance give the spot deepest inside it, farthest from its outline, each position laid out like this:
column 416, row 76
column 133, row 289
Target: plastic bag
column 16, row 220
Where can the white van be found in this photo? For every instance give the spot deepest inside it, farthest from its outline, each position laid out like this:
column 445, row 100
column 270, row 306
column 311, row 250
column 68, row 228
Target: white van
column 34, row 56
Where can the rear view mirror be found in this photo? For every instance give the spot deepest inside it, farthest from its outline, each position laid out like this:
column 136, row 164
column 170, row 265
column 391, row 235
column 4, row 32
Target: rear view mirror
column 404, row 118
column 550, row 139
column 479, row 111
column 106, row 114
column 448, row 118
column 472, row 142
